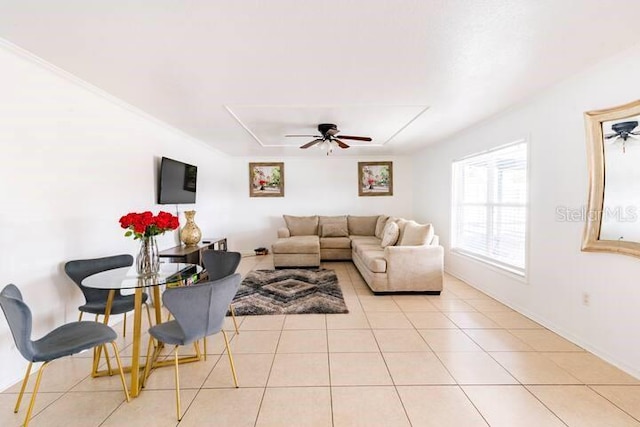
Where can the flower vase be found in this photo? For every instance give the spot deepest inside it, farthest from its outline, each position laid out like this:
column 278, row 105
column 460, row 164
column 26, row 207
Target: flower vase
column 190, row 234
column 148, row 261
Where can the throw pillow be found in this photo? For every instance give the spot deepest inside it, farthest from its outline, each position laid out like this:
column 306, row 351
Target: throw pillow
column 402, row 223
column 390, row 234
column 416, row 234
column 338, row 219
column 382, row 221
column 334, row 230
column 302, row 225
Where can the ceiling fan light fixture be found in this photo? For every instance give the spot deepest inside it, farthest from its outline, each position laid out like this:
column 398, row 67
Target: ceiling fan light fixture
column 328, row 138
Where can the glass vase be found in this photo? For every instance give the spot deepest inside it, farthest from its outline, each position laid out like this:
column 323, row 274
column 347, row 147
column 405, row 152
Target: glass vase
column 148, row 261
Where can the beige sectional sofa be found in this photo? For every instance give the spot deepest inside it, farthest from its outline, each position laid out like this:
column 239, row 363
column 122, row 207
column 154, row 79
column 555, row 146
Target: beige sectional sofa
column 391, row 254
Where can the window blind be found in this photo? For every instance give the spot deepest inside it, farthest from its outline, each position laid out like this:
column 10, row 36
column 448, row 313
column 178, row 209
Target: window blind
column 489, row 212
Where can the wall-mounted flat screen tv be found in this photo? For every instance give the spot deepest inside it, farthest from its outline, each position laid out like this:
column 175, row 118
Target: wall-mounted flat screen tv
column 177, row 182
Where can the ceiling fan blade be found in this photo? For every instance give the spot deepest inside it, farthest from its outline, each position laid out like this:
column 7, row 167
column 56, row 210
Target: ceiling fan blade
column 340, row 143
column 309, row 144
column 305, row 136
column 356, row 138
column 611, row 135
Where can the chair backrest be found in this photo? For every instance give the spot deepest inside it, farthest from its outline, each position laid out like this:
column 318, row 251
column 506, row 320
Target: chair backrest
column 220, row 264
column 79, row 269
column 200, row 309
column 19, row 319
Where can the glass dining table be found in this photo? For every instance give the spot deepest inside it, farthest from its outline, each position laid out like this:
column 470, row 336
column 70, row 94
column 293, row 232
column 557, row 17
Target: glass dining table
column 127, row 278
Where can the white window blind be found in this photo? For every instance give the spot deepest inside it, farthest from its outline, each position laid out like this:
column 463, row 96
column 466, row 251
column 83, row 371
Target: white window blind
column 489, row 212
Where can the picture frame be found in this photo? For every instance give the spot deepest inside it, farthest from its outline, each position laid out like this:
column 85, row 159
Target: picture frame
column 266, row 179
column 613, row 154
column 375, row 179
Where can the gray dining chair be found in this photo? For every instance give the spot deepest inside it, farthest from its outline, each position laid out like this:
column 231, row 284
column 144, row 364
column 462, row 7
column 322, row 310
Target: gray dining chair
column 96, row 299
column 198, row 311
column 63, row 341
column 221, row 264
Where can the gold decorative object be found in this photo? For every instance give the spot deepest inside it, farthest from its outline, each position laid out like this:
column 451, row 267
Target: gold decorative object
column 190, row 234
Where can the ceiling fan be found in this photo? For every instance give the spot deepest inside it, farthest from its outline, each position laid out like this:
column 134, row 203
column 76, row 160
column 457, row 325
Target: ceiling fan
column 624, row 131
column 328, row 138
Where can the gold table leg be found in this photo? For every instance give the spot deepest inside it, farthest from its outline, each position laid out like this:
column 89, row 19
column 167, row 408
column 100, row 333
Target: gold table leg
column 135, row 357
column 157, row 304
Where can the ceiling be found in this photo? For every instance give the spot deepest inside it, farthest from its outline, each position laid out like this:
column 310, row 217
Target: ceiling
column 239, row 75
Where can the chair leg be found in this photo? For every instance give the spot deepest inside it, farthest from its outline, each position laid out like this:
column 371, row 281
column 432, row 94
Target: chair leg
column 124, row 383
column 148, row 362
column 34, row 394
column 106, row 356
column 80, row 317
column 24, row 385
column 124, row 326
column 196, row 346
column 177, row 384
column 233, row 317
column 205, row 348
column 233, row 367
column 96, row 360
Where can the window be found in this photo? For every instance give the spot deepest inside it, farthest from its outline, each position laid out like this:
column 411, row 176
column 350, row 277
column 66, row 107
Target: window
column 489, row 212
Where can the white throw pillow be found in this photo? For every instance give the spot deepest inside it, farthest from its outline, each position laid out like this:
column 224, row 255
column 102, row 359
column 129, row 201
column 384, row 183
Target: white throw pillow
column 382, row 221
column 390, row 234
column 402, row 224
column 416, row 234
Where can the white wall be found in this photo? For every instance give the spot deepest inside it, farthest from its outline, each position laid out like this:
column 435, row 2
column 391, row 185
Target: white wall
column 74, row 160
column 322, row 186
column 559, row 272
column 71, row 163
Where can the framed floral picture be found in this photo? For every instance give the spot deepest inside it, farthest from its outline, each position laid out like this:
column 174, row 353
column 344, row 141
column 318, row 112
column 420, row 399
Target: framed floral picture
column 266, row 179
column 375, row 178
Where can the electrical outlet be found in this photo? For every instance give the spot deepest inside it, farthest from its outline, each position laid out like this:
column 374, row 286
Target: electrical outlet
column 586, row 298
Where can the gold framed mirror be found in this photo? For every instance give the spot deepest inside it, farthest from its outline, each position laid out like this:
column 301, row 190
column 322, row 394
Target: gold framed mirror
column 613, row 149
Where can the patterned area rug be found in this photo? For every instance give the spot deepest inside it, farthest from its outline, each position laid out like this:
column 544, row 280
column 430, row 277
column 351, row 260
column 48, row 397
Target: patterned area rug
column 291, row 291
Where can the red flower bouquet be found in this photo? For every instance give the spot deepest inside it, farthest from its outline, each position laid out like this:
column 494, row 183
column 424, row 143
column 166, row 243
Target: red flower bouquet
column 145, row 224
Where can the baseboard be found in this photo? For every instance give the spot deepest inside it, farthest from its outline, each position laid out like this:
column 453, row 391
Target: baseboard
column 604, row 355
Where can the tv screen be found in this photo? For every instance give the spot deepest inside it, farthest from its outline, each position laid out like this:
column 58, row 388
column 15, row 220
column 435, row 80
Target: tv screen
column 177, row 182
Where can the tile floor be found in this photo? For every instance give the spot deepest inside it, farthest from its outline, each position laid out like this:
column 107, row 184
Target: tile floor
column 458, row 359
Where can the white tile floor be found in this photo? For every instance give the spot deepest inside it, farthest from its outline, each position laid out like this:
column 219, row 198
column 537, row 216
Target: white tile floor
column 458, row 359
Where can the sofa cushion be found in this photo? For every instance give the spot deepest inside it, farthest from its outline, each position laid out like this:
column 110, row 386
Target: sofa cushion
column 367, row 240
column 373, row 259
column 334, row 230
column 360, row 249
column 390, row 234
column 362, row 225
column 297, row 245
column 335, row 243
column 338, row 219
column 402, row 223
column 416, row 234
column 382, row 221
column 302, row 225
